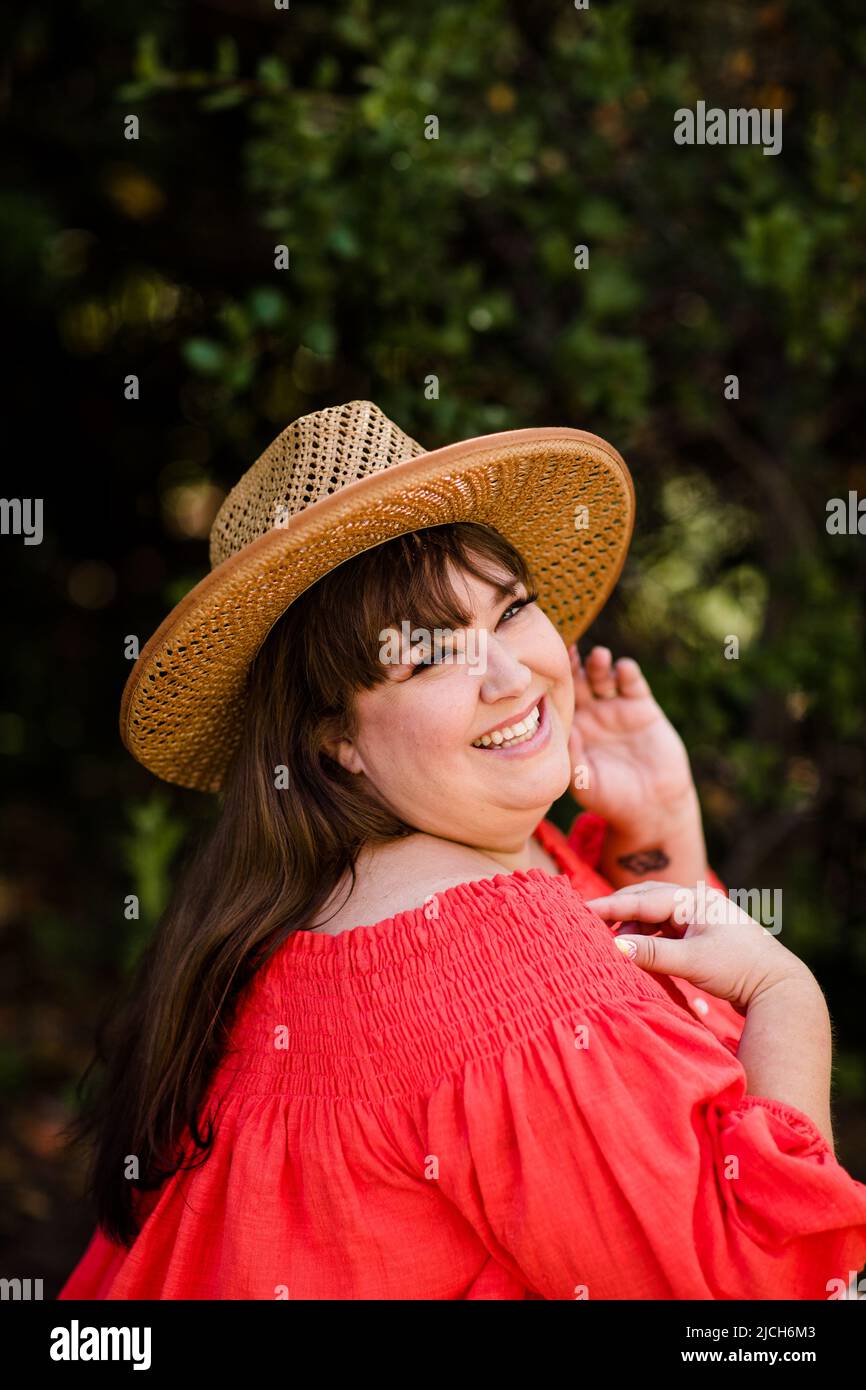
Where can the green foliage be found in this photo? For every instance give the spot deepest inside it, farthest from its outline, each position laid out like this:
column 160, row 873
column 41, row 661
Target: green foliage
column 149, row 851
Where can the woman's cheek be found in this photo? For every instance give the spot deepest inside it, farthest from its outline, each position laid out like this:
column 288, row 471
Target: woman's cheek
column 568, row 700
column 564, row 680
column 420, row 741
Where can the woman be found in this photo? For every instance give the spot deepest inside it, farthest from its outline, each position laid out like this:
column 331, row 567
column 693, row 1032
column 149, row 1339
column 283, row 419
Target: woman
column 383, row 1044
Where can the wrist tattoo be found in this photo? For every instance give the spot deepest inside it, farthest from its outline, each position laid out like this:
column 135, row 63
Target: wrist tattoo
column 644, row 861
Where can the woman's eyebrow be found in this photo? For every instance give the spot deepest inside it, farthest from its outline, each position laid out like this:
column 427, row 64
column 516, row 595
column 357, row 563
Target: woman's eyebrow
column 502, row 591
column 506, row 590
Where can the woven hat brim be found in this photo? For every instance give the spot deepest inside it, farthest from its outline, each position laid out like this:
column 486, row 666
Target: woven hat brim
column 183, row 705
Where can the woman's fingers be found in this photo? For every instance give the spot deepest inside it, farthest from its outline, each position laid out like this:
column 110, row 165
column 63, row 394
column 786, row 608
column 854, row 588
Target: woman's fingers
column 601, row 678
column 633, row 928
column 658, row 954
column 720, row 948
column 649, row 902
column 646, row 885
column 632, row 682
column 600, row 673
column 583, row 695
column 608, row 679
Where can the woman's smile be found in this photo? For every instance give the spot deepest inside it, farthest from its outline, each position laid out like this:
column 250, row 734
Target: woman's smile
column 522, row 737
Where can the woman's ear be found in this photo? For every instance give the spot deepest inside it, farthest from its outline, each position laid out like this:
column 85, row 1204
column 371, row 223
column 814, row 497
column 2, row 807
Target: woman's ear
column 341, row 749
column 346, row 754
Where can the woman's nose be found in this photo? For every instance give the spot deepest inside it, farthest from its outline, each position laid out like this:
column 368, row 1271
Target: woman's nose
column 505, row 674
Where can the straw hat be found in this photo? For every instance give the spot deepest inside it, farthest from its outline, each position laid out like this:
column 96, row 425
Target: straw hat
column 338, row 482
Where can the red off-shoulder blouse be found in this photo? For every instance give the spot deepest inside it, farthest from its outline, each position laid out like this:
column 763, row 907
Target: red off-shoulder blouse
column 483, row 1098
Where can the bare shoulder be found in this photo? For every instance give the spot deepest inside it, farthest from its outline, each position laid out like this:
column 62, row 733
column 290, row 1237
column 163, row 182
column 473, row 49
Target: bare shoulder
column 402, row 875
column 424, row 862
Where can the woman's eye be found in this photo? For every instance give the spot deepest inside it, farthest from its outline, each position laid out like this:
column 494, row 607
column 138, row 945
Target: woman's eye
column 517, row 605
column 428, row 659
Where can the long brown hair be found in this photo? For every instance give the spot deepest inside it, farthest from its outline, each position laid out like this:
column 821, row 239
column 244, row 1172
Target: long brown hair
column 278, row 849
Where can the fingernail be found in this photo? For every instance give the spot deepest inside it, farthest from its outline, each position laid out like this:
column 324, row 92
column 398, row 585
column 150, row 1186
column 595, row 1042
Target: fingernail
column 628, row 948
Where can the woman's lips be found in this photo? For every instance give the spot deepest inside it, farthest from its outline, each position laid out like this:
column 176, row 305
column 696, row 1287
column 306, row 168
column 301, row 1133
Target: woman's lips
column 529, row 746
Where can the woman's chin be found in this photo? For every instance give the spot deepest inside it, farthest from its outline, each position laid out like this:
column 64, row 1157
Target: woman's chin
column 533, row 781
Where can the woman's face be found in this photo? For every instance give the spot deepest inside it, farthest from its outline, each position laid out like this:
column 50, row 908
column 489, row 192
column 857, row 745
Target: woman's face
column 416, row 730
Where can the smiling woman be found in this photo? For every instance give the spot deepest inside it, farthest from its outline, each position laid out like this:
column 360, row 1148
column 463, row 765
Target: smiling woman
column 411, row 739
column 380, row 1047
column 412, row 735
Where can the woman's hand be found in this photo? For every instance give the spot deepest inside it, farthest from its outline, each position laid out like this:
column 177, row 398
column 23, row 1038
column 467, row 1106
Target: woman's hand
column 635, row 766
column 721, row 949
column 786, row 1046
column 630, row 766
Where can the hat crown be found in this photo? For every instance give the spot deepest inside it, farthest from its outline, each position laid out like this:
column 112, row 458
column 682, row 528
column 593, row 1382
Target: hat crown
column 314, row 457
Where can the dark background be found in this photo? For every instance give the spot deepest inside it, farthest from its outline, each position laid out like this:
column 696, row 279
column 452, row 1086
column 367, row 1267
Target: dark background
column 410, row 257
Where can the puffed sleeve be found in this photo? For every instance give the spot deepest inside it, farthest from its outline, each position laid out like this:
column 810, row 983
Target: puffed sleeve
column 616, row 1154
column 586, row 837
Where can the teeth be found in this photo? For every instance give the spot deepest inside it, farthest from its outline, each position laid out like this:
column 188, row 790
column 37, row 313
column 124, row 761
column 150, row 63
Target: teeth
column 512, row 733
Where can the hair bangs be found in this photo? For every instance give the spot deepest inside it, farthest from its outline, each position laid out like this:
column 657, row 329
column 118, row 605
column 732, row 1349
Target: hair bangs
column 415, row 584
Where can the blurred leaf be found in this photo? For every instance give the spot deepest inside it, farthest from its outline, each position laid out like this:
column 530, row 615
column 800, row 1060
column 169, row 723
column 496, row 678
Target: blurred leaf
column 272, row 72
column 147, row 60
column 227, row 56
column 344, row 241
column 266, row 306
column 319, row 338
column 204, row 355
column 775, row 248
column 221, row 101
column 234, row 318
column 149, row 851
column 240, row 374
